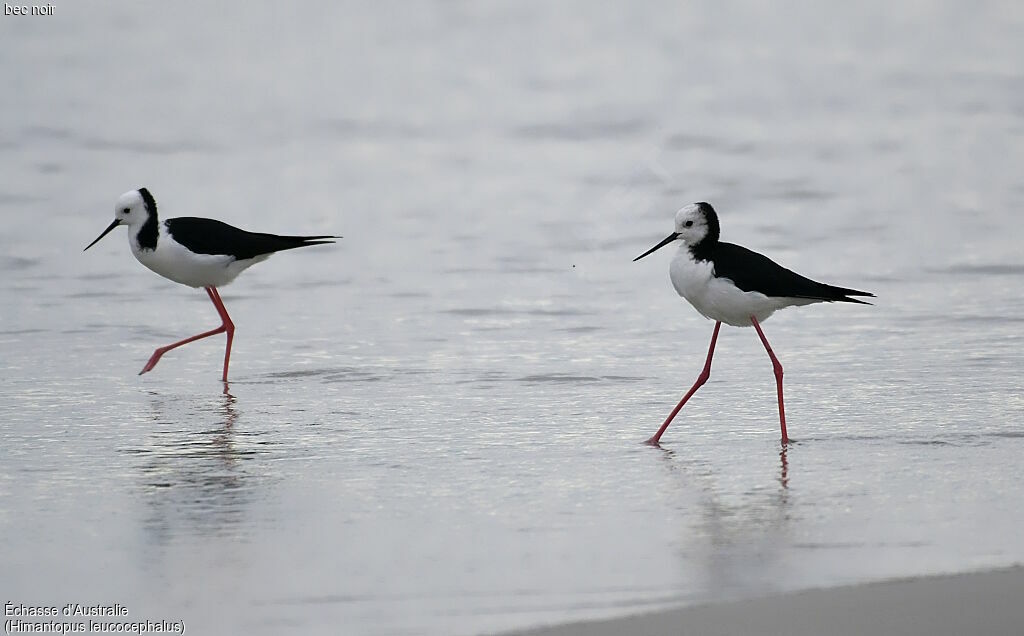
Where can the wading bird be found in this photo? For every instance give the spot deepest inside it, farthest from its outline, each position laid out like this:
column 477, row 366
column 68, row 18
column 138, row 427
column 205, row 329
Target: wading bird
column 195, row 252
column 731, row 284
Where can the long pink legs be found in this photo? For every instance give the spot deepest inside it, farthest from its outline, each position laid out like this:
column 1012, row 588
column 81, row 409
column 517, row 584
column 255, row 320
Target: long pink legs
column 777, row 366
column 225, row 326
column 701, row 379
column 706, row 373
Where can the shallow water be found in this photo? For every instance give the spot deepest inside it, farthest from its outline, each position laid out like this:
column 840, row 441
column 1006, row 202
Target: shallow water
column 435, row 426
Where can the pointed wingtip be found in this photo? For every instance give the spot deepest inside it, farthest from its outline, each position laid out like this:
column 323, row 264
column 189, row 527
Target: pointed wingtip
column 859, row 302
column 864, row 294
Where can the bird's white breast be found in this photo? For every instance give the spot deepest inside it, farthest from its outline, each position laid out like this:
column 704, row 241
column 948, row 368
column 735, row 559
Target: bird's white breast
column 719, row 298
column 174, row 262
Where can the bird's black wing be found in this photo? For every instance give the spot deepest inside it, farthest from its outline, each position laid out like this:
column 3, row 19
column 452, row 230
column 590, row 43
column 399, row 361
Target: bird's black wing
column 753, row 272
column 209, row 236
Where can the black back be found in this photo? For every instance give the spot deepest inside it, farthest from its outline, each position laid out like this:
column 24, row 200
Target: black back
column 753, row 272
column 209, row 236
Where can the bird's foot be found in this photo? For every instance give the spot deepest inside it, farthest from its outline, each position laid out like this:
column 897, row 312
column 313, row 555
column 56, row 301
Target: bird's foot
column 153, row 359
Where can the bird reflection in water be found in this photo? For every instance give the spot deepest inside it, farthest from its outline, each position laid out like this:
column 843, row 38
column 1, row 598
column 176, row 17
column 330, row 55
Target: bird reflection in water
column 193, row 474
column 742, row 530
column 784, row 469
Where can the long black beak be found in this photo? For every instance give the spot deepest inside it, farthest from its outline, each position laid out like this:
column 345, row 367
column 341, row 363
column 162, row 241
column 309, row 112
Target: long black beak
column 105, row 232
column 668, row 239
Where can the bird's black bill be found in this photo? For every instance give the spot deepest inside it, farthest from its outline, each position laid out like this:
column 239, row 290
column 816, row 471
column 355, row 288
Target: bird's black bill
column 668, row 239
column 105, row 232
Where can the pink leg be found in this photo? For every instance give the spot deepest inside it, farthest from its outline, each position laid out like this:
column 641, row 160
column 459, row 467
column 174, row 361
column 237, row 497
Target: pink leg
column 701, row 379
column 229, row 327
column 226, row 326
column 777, row 366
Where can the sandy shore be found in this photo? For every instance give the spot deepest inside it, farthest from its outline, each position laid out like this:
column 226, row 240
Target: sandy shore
column 976, row 604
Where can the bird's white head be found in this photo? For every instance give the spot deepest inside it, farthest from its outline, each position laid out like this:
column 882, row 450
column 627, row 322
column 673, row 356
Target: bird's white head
column 134, row 209
column 696, row 224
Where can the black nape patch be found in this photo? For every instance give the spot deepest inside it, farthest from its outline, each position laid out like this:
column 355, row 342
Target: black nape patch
column 148, row 199
column 714, row 230
column 150, row 231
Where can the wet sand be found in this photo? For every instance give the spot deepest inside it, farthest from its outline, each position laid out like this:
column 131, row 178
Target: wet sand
column 980, row 604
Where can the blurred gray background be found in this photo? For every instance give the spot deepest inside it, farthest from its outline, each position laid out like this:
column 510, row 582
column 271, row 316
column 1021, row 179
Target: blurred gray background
column 435, row 426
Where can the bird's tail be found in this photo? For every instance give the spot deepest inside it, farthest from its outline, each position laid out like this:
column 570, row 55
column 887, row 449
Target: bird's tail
column 842, row 294
column 279, row 243
column 312, row 240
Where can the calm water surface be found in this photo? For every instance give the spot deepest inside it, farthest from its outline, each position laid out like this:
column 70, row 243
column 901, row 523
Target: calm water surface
column 435, row 426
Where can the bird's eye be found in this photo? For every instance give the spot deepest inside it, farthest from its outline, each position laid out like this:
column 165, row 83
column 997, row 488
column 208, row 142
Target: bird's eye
column 126, row 211
column 688, row 224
